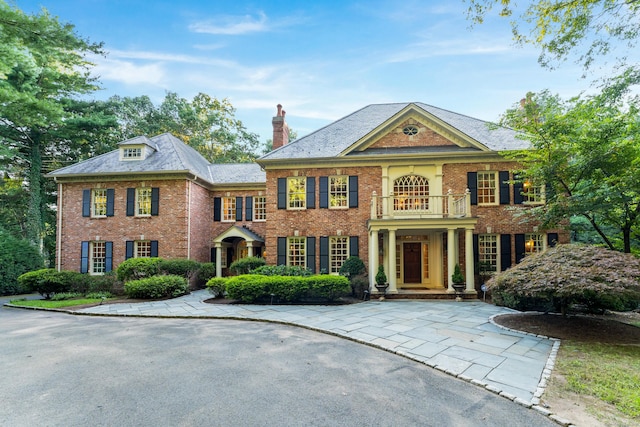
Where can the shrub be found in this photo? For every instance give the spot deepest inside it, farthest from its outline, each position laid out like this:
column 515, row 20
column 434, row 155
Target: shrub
column 217, row 285
column 247, row 287
column 328, row 287
column 48, row 281
column 138, row 268
column 255, row 287
column 17, row 257
column 65, row 295
column 168, row 286
column 98, row 295
column 207, row 271
column 352, row 267
column 359, row 284
column 282, row 270
column 105, row 283
column 179, row 267
column 246, row 265
column 568, row 275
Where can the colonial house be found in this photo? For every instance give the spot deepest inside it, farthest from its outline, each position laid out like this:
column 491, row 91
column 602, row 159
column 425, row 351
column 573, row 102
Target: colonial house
column 414, row 188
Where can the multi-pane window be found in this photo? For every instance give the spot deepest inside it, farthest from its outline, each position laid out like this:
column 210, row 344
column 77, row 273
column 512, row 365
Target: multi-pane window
column 338, row 253
column 489, row 255
column 99, row 202
column 296, row 192
column 532, row 193
column 259, row 208
column 411, row 193
column 296, row 253
column 143, row 201
column 338, row 191
column 131, row 153
column 98, row 260
column 228, row 208
column 533, row 242
column 142, row 249
column 487, row 188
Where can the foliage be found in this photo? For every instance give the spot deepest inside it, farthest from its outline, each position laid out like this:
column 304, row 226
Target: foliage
column 585, row 153
column 247, row 264
column 207, row 271
column 138, row 268
column 381, row 277
column 17, row 256
column 593, row 27
column 105, row 283
column 457, row 276
column 255, row 287
column 165, row 286
column 609, row 372
column 179, row 267
column 359, row 284
column 571, row 274
column 352, row 267
column 56, row 304
column 217, row 286
column 205, row 123
column 49, row 281
column 65, row 296
column 282, row 270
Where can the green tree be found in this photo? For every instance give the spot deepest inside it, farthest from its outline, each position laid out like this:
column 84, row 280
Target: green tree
column 205, row 123
column 42, row 63
column 586, row 152
column 586, row 28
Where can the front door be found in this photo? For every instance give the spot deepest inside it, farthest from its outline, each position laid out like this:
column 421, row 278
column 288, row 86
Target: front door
column 412, row 262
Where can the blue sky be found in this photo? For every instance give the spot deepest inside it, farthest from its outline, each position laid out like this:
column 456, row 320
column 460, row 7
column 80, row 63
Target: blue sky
column 320, row 59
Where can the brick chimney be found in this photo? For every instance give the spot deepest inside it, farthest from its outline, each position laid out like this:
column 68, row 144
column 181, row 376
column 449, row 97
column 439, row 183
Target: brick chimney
column 280, row 129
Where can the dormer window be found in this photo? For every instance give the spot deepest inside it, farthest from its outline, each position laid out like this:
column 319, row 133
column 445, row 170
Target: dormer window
column 131, row 153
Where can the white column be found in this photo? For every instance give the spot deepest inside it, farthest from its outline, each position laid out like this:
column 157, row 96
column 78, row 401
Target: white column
column 451, row 257
column 218, row 247
column 249, row 248
column 468, row 259
column 373, row 258
column 391, row 260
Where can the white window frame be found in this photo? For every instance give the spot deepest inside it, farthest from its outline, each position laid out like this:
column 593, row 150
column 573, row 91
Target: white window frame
column 131, row 153
column 338, row 253
column 296, row 192
column 228, row 207
column 489, row 251
column 297, row 251
column 492, row 198
column 534, row 243
column 142, row 249
column 97, row 258
column 143, row 201
column 99, row 202
column 259, row 208
column 411, row 193
column 339, row 192
column 533, row 194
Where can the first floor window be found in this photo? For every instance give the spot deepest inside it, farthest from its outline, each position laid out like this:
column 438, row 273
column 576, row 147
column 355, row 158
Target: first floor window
column 487, row 188
column 98, row 259
column 489, row 253
column 228, row 209
column 297, row 192
column 296, row 252
column 338, row 253
column 142, row 249
column 259, row 208
column 533, row 242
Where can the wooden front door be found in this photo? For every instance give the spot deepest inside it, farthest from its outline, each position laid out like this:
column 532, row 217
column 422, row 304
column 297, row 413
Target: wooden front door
column 412, row 262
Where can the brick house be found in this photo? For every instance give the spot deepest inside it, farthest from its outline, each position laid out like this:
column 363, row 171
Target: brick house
column 409, row 186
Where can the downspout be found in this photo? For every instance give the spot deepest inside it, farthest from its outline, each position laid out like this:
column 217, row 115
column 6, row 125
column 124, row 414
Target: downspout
column 59, row 230
column 189, row 220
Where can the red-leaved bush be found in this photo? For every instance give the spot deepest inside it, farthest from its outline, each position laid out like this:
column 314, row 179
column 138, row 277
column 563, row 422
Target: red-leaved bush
column 594, row 277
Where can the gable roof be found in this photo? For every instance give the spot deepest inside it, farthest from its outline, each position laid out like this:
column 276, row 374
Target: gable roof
column 337, row 138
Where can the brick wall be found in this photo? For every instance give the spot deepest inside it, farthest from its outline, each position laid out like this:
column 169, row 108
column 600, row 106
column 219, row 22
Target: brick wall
column 425, row 137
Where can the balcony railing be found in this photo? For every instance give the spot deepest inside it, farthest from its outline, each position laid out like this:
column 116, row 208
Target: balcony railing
column 399, row 206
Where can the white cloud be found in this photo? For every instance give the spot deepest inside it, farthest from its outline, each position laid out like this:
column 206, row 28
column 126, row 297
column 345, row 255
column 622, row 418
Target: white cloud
column 130, row 73
column 232, row 25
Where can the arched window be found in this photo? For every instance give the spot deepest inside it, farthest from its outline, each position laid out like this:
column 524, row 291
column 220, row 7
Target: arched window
column 411, row 193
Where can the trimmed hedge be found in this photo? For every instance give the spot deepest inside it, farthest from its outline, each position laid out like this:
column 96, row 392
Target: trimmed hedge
column 256, row 287
column 246, row 265
column 169, row 286
column 179, row 267
column 282, row 270
column 205, row 273
column 138, row 268
column 217, row 285
column 49, row 281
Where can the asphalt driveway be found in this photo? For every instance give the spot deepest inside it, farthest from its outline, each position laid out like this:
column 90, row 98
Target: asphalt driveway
column 59, row 369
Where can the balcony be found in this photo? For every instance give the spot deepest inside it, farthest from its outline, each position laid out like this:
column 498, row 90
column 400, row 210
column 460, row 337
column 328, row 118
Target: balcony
column 399, row 206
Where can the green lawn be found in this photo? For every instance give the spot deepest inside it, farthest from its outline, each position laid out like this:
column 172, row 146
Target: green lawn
column 56, row 304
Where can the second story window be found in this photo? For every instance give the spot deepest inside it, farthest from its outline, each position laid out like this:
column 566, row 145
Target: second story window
column 100, row 202
column 487, row 188
column 228, row 209
column 296, row 192
column 143, row 201
column 411, row 193
column 259, row 208
column 531, row 193
column 338, row 191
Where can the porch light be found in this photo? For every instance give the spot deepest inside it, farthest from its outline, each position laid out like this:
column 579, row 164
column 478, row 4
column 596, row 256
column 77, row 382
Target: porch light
column 529, row 245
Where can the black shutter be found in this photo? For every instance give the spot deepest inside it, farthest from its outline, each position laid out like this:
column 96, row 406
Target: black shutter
column 84, row 257
column 155, row 201
column 505, row 251
column 518, row 188
column 552, row 240
column 324, row 254
column 353, row 191
column 505, row 196
column 128, row 249
column 248, row 214
column 519, row 247
column 154, row 248
column 131, row 201
column 86, row 202
column 324, row 192
column 282, row 193
column 217, row 208
column 108, row 262
column 213, row 255
column 311, row 254
column 354, row 247
column 311, row 192
column 111, row 193
column 281, row 256
column 472, row 184
column 238, row 208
